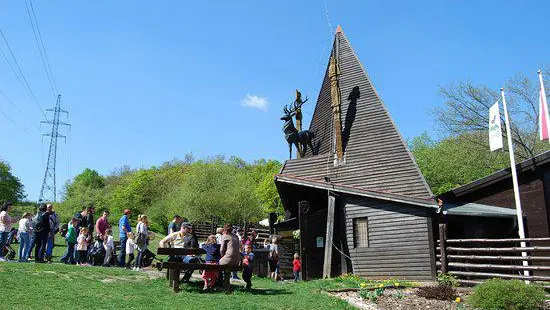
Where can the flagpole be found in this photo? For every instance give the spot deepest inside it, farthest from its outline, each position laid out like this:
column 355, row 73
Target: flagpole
column 519, row 211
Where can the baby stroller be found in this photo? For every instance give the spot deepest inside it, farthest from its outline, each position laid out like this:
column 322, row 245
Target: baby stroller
column 8, row 252
column 96, row 255
column 147, row 259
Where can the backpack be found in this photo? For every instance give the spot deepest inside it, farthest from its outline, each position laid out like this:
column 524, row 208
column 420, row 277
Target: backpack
column 141, row 239
column 38, row 225
column 64, row 230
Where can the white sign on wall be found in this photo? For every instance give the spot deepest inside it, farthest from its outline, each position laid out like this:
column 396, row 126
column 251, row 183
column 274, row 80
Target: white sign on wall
column 320, row 242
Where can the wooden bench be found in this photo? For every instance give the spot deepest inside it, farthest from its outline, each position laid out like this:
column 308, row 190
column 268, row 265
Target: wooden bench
column 174, row 269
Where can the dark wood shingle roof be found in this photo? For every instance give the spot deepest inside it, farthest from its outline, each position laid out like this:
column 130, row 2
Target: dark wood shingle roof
column 376, row 156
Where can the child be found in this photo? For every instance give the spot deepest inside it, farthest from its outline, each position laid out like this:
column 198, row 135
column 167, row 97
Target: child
column 82, row 246
column 109, row 246
column 130, row 248
column 296, row 267
column 248, row 257
column 68, row 257
column 213, row 256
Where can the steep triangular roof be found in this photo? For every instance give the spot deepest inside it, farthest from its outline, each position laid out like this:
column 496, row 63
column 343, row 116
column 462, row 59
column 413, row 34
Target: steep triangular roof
column 376, row 158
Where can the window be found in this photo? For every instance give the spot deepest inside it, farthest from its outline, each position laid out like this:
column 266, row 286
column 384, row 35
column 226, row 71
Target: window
column 361, row 232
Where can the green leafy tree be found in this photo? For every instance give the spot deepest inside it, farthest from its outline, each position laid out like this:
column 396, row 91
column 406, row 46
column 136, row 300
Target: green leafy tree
column 11, row 188
column 87, row 188
column 455, row 161
column 466, row 110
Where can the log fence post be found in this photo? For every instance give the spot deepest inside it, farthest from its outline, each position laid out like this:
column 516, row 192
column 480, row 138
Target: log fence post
column 442, row 246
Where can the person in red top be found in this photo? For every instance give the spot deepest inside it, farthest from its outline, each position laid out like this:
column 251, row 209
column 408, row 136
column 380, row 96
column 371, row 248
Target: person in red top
column 296, row 267
column 101, row 225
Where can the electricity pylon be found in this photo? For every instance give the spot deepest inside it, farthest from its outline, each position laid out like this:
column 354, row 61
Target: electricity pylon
column 48, row 190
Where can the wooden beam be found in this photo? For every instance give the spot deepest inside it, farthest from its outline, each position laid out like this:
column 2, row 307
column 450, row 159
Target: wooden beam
column 499, row 275
column 516, row 240
column 496, row 257
column 329, row 237
column 508, row 249
column 494, row 267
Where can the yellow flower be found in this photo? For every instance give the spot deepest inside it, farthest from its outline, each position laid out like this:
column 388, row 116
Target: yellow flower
column 381, row 285
column 363, row 284
column 396, row 284
column 458, row 299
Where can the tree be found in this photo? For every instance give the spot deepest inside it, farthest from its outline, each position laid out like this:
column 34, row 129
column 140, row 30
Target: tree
column 87, row 188
column 11, row 188
column 466, row 111
column 455, row 161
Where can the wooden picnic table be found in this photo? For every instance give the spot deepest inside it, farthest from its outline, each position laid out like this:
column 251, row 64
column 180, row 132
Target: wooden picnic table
column 174, row 268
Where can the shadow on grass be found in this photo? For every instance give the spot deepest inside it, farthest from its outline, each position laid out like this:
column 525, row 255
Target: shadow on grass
column 196, row 287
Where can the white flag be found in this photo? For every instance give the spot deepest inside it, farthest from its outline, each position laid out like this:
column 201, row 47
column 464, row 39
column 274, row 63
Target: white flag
column 495, row 131
column 544, row 119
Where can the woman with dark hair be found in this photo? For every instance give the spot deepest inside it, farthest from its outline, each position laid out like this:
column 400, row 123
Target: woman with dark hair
column 5, row 227
column 230, row 247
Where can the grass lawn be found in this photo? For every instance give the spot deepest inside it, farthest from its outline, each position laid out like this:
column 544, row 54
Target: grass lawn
column 59, row 286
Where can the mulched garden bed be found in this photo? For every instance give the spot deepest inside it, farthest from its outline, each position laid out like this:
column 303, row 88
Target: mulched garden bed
column 408, row 301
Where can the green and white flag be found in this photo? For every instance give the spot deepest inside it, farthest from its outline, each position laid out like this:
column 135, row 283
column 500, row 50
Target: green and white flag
column 495, row 131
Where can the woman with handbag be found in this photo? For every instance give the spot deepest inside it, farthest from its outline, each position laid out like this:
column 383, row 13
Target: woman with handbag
column 142, row 240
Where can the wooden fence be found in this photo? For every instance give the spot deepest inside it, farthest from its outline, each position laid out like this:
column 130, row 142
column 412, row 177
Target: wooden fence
column 474, row 260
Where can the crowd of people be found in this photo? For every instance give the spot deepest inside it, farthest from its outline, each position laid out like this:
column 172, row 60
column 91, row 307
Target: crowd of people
column 84, row 238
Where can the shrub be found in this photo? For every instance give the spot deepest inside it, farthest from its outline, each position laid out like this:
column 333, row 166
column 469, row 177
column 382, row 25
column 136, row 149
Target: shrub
column 448, row 279
column 507, row 294
column 439, row 292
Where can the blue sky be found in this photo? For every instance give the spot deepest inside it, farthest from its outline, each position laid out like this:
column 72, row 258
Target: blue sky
column 149, row 81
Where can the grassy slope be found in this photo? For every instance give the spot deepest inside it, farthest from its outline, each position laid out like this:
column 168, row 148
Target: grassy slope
column 57, row 286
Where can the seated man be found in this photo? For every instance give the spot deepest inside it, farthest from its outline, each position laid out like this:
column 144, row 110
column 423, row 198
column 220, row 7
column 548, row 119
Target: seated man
column 186, row 239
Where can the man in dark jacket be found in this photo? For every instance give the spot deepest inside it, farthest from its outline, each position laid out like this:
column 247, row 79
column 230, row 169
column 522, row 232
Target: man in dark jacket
column 41, row 231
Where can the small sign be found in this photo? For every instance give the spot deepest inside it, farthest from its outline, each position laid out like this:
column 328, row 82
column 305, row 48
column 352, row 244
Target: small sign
column 320, row 242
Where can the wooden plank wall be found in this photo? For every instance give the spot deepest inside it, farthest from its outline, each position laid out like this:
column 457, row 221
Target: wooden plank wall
column 399, row 240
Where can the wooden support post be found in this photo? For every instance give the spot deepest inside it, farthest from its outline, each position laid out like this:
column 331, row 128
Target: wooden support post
column 175, row 279
column 302, row 206
column 443, row 247
column 330, row 234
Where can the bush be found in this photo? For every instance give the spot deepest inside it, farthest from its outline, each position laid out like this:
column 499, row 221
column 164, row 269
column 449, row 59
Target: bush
column 439, row 292
column 448, row 279
column 507, row 294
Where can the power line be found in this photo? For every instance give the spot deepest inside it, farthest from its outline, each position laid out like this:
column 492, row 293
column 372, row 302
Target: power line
column 28, row 88
column 15, row 106
column 40, row 44
column 17, row 124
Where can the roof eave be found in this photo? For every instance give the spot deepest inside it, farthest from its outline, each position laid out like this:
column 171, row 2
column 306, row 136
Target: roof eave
column 355, row 191
column 503, row 174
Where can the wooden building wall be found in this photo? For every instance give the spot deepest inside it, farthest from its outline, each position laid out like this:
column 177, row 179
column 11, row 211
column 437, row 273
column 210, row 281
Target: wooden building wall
column 532, row 201
column 400, row 240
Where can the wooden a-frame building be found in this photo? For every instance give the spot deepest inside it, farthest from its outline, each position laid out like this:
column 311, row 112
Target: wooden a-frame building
column 359, row 199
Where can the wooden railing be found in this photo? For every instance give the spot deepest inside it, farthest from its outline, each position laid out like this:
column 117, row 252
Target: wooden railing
column 474, row 260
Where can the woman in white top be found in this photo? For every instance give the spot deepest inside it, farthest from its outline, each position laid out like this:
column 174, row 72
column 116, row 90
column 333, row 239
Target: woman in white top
column 24, row 236
column 142, row 239
column 5, row 227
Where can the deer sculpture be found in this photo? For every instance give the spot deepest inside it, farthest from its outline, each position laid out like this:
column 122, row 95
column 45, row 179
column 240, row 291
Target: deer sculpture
column 300, row 139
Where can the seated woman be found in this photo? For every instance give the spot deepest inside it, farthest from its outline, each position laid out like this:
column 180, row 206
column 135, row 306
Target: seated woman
column 230, row 247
